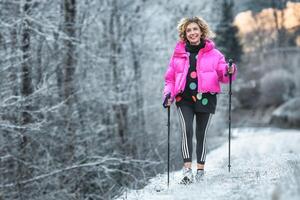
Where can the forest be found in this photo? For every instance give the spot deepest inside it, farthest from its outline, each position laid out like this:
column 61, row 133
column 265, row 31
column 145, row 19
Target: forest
column 81, row 82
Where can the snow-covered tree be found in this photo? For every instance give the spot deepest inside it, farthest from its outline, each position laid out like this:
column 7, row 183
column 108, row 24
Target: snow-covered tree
column 227, row 38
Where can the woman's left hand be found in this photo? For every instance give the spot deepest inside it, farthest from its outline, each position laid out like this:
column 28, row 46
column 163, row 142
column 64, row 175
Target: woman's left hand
column 231, row 69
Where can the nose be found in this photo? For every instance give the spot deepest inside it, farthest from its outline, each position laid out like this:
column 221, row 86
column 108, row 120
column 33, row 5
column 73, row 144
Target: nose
column 193, row 32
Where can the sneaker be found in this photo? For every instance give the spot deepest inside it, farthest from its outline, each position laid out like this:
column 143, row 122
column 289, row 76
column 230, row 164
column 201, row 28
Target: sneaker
column 187, row 176
column 199, row 175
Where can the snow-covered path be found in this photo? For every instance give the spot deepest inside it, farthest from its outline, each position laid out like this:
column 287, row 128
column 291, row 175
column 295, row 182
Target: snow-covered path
column 265, row 165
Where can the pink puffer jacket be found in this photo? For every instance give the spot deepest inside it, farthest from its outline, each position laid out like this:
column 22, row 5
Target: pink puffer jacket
column 211, row 70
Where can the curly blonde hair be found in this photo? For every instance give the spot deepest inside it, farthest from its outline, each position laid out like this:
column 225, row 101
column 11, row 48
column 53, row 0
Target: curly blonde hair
column 184, row 22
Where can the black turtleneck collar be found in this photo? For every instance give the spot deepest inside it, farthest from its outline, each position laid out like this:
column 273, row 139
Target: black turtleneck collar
column 194, row 48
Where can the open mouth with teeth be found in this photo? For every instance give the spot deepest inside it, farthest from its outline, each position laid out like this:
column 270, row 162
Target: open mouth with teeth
column 193, row 38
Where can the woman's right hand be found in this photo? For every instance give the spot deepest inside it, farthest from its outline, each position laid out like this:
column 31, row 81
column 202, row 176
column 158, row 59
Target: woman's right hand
column 167, row 101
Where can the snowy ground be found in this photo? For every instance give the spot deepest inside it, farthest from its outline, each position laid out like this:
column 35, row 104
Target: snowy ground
column 265, row 165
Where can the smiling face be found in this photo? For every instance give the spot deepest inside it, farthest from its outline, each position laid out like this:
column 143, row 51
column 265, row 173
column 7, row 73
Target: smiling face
column 193, row 33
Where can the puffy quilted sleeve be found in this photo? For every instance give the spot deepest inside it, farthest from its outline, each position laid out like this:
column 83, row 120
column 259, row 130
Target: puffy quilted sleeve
column 222, row 68
column 169, row 80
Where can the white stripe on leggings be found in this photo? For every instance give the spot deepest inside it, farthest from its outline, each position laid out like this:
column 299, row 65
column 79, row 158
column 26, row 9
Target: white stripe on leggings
column 204, row 142
column 183, row 129
column 205, row 139
column 184, row 144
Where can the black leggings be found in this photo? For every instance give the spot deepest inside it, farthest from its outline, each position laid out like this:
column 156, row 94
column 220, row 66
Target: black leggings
column 186, row 118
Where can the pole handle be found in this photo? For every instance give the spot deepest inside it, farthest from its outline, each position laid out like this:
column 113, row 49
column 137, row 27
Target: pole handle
column 230, row 62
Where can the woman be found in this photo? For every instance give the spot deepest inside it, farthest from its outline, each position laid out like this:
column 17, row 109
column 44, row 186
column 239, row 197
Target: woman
column 193, row 79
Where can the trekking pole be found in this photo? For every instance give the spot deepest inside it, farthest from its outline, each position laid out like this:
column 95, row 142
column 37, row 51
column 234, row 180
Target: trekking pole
column 229, row 114
column 168, row 146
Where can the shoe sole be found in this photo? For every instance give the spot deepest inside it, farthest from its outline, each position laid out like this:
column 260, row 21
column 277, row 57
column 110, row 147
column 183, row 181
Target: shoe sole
column 185, row 181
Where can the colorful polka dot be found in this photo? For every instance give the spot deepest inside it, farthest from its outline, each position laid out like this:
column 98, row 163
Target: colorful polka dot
column 199, row 96
column 194, row 98
column 178, row 98
column 193, row 74
column 204, row 101
column 193, row 86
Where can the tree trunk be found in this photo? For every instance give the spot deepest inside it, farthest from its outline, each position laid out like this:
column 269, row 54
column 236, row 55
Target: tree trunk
column 58, row 68
column 13, row 70
column 119, row 109
column 139, row 118
column 26, row 91
column 39, row 55
column 26, row 75
column 278, row 5
column 69, row 64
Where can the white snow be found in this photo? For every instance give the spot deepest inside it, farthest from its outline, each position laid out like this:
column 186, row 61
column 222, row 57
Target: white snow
column 265, row 165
